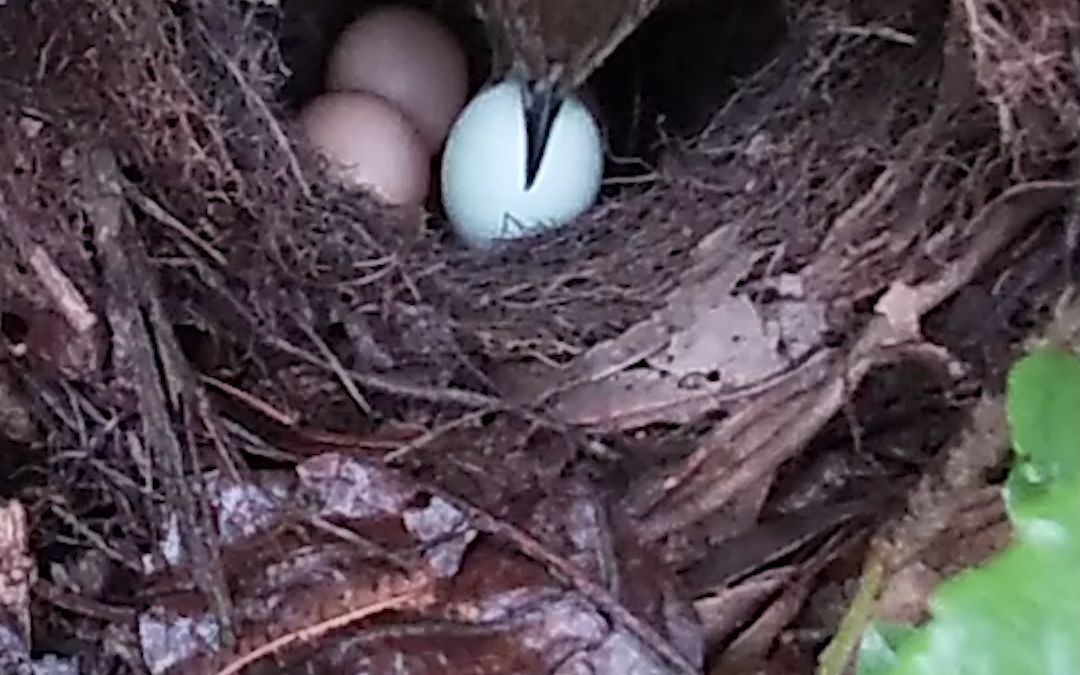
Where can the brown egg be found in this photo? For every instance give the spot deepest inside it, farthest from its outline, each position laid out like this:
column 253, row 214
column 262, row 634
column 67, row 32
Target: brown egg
column 369, row 143
column 408, row 58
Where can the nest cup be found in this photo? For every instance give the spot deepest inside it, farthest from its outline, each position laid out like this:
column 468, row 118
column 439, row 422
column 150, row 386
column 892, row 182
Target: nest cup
column 758, row 133
column 197, row 108
column 194, row 101
column 801, row 164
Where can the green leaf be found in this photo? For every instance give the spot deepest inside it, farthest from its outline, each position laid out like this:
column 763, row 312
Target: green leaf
column 1020, row 612
column 877, row 651
column 1043, row 408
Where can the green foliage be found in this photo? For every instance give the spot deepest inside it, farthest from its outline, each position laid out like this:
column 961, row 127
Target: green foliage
column 1020, row 612
column 879, row 645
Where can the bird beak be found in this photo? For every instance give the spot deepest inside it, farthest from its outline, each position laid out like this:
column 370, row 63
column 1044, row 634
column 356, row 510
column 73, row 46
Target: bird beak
column 542, row 103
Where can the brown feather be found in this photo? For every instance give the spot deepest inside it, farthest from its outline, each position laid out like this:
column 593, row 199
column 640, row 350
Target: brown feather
column 558, row 42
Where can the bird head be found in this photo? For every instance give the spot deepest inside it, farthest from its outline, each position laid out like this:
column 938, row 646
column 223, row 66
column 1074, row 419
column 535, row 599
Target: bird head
column 553, row 46
column 541, row 101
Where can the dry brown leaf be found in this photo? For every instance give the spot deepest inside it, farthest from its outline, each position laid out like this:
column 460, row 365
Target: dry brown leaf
column 901, row 307
column 705, row 347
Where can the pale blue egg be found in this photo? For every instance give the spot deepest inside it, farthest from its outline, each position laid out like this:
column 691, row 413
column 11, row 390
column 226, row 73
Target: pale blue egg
column 484, row 172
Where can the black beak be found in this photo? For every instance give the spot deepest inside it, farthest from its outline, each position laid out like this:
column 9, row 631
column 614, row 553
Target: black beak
column 541, row 105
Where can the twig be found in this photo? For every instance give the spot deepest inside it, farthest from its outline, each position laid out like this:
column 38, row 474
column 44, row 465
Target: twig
column 158, row 213
column 67, row 298
column 387, row 385
column 211, row 423
column 337, row 368
column 16, row 574
column 433, row 434
column 147, row 352
column 651, row 177
column 286, row 419
column 310, row 633
column 259, row 447
column 263, row 109
column 883, row 32
column 95, row 539
column 84, row 606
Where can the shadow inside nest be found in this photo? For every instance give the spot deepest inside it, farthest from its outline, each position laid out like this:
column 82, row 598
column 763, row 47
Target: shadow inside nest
column 260, row 422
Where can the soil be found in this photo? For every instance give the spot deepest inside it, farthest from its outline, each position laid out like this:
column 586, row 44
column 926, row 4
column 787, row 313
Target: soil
column 254, row 422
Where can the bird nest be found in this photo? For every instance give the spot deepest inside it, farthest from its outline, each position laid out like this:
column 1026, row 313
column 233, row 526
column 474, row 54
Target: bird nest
column 184, row 294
